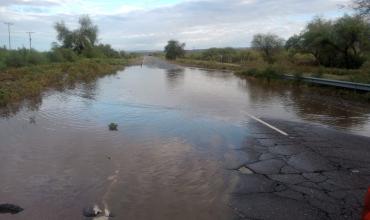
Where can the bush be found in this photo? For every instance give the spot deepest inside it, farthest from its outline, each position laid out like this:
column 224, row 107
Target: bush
column 366, row 66
column 267, row 73
column 304, row 59
column 270, row 73
column 35, row 58
column 55, row 57
column 2, row 65
column 298, row 76
column 16, row 59
column 252, row 72
column 318, row 74
column 68, row 54
column 2, row 97
column 92, row 53
column 113, row 127
column 22, row 57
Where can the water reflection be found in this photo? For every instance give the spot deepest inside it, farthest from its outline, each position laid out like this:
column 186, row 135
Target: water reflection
column 175, row 77
column 215, row 91
column 308, row 103
column 32, row 104
column 177, row 128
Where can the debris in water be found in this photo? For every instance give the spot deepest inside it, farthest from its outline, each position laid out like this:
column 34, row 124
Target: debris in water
column 113, row 127
column 10, row 208
column 92, row 211
column 96, row 213
column 32, row 120
column 245, row 170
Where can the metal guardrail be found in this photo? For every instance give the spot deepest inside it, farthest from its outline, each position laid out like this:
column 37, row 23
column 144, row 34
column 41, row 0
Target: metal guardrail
column 335, row 83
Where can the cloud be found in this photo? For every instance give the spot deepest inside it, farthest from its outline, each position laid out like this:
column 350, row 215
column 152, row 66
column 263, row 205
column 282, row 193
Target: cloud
column 147, row 24
column 28, row 2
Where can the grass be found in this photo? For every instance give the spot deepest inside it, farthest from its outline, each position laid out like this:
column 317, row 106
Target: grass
column 16, row 84
column 208, row 64
column 259, row 68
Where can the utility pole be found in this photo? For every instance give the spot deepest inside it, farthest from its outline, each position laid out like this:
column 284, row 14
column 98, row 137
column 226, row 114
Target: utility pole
column 9, row 24
column 30, row 37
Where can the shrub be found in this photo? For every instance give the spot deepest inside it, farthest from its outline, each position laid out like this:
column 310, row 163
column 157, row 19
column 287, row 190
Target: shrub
column 68, row 54
column 36, row 58
column 2, row 65
column 366, row 66
column 270, row 73
column 55, row 56
column 3, row 97
column 304, row 59
column 16, row 59
column 318, row 74
column 113, row 127
column 252, row 72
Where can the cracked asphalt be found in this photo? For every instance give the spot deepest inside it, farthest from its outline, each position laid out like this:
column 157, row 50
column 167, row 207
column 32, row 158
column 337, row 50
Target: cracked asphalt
column 314, row 173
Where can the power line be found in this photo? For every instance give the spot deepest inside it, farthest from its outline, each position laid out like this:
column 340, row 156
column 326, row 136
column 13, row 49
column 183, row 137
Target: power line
column 30, row 38
column 9, row 24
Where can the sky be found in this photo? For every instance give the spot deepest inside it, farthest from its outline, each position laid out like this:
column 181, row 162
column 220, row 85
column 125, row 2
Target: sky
column 148, row 24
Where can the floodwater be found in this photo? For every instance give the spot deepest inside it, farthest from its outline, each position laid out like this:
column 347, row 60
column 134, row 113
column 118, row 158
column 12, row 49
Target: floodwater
column 177, row 128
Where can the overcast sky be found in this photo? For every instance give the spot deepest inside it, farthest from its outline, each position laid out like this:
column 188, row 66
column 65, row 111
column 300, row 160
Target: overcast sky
column 148, row 24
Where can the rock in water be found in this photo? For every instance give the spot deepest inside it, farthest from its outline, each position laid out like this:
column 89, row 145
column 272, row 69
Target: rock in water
column 10, row 208
column 91, row 211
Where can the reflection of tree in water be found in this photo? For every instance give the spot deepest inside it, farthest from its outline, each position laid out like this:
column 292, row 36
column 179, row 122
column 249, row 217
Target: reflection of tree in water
column 85, row 90
column 175, row 77
column 313, row 105
column 32, row 104
column 218, row 74
column 310, row 103
column 262, row 91
column 88, row 90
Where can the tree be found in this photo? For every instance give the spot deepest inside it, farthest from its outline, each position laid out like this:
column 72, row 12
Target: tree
column 339, row 43
column 362, row 7
column 351, row 38
column 80, row 39
column 174, row 49
column 268, row 44
column 316, row 39
column 294, row 42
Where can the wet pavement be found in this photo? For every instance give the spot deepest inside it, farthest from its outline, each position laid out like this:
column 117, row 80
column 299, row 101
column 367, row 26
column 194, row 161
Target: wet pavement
column 314, row 173
column 187, row 146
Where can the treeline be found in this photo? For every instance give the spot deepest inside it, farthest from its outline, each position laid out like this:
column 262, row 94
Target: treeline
column 72, row 45
column 343, row 43
column 340, row 43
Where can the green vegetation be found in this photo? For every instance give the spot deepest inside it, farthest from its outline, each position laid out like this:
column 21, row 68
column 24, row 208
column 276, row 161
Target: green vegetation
column 113, row 127
column 174, row 49
column 338, row 49
column 83, row 38
column 78, row 57
column 28, row 82
column 342, row 43
column 269, row 45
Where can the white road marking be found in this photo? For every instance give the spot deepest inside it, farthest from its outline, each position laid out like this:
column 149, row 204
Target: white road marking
column 267, row 124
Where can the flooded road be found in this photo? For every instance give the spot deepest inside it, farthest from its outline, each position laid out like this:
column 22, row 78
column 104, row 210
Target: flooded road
column 178, row 131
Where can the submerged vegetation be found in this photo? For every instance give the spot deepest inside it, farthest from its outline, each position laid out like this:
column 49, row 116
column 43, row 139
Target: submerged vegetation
column 27, row 82
column 77, row 57
column 113, row 127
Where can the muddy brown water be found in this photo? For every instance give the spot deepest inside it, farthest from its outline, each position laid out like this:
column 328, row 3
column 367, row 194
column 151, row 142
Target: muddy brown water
column 177, row 128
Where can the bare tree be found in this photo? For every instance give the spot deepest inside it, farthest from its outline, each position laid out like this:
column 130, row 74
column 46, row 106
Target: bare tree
column 268, row 44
